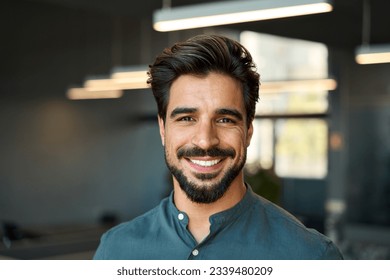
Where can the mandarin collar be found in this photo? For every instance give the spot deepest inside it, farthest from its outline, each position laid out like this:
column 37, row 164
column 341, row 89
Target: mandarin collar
column 223, row 217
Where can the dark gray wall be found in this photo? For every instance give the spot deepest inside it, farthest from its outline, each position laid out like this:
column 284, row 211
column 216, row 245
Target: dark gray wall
column 68, row 161
column 360, row 170
column 369, row 130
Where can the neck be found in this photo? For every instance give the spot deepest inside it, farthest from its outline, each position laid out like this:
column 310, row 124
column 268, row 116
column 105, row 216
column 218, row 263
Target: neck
column 199, row 213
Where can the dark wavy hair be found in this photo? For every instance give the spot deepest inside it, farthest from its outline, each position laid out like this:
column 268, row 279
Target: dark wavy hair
column 201, row 55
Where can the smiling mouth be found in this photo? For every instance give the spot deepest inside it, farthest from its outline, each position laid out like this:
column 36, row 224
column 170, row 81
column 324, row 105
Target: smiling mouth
column 206, row 163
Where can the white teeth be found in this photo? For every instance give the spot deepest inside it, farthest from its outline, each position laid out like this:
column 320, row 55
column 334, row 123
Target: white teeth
column 205, row 163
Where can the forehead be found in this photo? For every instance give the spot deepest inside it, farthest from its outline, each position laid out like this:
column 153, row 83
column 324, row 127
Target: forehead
column 213, row 90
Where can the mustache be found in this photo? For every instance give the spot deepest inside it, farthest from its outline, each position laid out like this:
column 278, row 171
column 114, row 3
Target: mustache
column 212, row 152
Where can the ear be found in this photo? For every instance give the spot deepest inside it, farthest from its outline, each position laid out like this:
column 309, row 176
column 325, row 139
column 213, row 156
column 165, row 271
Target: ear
column 249, row 134
column 162, row 129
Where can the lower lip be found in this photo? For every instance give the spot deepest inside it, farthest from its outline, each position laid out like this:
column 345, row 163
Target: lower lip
column 205, row 169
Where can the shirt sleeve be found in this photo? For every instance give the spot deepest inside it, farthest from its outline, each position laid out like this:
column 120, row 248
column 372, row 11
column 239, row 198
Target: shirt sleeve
column 332, row 252
column 100, row 252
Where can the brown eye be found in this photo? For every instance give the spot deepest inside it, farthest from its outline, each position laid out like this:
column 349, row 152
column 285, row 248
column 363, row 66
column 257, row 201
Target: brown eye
column 226, row 120
column 186, row 119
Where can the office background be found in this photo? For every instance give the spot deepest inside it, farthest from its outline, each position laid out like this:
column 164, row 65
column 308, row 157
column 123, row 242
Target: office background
column 70, row 169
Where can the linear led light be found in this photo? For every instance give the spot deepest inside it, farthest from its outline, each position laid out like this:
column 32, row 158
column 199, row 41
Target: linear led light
column 371, row 54
column 120, row 79
column 82, row 93
column 132, row 77
column 298, row 85
column 229, row 12
column 114, row 84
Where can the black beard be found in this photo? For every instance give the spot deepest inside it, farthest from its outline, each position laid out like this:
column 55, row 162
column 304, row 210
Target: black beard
column 211, row 193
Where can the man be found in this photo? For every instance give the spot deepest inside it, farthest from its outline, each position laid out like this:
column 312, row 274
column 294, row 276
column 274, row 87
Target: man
column 206, row 90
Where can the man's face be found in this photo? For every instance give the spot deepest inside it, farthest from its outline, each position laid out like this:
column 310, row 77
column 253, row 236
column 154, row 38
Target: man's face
column 205, row 135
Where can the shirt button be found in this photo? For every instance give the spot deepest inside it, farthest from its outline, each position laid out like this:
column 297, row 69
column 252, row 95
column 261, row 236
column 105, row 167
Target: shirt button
column 195, row 252
column 180, row 216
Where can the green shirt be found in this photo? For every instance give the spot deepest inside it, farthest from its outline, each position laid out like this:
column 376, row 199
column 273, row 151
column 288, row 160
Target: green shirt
column 253, row 229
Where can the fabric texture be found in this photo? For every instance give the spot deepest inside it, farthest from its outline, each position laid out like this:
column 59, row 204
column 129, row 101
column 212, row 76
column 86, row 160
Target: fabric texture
column 253, row 229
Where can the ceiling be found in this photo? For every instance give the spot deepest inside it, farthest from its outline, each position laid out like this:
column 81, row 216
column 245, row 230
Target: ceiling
column 342, row 28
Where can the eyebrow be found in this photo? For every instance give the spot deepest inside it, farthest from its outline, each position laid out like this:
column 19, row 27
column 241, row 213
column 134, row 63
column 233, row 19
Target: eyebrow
column 182, row 110
column 230, row 112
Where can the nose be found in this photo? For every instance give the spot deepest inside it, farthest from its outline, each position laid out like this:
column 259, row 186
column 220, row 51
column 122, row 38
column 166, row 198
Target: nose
column 206, row 135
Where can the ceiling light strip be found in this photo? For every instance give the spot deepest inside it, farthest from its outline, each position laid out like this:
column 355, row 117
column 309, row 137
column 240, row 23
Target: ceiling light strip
column 298, row 86
column 82, row 93
column 372, row 54
column 230, row 12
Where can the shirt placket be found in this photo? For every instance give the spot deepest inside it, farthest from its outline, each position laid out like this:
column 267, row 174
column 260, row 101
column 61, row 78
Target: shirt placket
column 192, row 244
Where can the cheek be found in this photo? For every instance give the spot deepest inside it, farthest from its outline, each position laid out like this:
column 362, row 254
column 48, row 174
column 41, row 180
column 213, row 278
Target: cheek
column 237, row 139
column 240, row 138
column 175, row 141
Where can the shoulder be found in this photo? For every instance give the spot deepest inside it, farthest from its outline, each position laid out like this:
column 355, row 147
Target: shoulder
column 274, row 214
column 134, row 227
column 128, row 236
column 286, row 231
